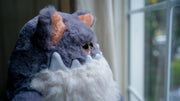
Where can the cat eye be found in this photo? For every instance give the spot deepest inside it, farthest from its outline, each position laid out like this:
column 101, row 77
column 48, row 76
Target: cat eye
column 86, row 46
column 91, row 45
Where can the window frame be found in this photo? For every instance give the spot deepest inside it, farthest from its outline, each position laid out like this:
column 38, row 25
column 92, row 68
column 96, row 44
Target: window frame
column 169, row 6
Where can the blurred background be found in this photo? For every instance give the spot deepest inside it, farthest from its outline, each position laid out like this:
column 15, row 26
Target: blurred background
column 139, row 38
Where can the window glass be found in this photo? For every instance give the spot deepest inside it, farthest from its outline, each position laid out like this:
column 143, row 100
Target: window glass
column 155, row 55
column 175, row 57
column 136, row 4
column 148, row 54
column 132, row 97
column 150, row 2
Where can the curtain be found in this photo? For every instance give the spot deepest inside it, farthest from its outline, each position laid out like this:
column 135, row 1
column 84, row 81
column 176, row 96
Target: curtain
column 110, row 31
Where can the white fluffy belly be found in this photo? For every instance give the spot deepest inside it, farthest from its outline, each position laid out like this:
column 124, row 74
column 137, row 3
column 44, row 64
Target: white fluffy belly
column 89, row 82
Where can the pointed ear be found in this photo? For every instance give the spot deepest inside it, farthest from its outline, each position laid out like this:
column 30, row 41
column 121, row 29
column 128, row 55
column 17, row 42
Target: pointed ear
column 50, row 28
column 86, row 18
column 58, row 28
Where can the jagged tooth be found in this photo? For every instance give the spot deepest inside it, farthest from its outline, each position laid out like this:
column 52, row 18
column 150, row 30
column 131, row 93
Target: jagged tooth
column 97, row 45
column 98, row 56
column 57, row 63
column 101, row 53
column 75, row 64
column 89, row 59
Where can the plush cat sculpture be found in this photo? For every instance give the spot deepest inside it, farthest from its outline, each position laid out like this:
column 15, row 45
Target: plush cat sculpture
column 57, row 58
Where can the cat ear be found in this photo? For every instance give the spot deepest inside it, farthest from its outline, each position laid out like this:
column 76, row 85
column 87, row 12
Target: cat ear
column 58, row 28
column 86, row 18
column 50, row 28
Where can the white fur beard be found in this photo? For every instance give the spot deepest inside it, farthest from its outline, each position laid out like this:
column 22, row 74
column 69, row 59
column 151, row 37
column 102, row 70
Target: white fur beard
column 90, row 82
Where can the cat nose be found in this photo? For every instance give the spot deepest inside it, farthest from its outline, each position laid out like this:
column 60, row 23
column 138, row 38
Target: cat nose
column 89, row 52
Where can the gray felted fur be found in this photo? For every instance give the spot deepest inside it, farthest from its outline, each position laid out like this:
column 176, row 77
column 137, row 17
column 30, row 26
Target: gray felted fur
column 32, row 52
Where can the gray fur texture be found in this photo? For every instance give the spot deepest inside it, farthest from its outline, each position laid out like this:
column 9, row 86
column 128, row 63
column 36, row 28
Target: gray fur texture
column 32, row 52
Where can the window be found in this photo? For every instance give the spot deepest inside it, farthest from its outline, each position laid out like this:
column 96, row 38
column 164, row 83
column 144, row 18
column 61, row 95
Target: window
column 154, row 50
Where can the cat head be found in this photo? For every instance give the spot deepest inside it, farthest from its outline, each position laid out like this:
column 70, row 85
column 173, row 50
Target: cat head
column 69, row 35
